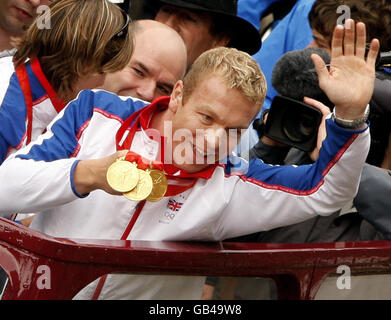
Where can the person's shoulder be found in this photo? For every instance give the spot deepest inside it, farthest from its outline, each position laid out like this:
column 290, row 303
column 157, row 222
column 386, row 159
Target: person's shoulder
column 109, row 103
column 6, row 68
column 108, row 97
column 6, row 61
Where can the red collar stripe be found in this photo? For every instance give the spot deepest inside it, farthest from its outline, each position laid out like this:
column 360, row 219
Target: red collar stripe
column 56, row 101
column 24, row 82
column 126, row 233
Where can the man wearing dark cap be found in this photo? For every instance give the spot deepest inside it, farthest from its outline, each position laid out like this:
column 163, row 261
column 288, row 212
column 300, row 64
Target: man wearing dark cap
column 205, row 24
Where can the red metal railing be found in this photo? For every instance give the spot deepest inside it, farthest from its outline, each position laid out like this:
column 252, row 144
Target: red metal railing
column 298, row 269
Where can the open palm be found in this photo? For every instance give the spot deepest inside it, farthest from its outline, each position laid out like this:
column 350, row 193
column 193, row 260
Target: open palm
column 349, row 82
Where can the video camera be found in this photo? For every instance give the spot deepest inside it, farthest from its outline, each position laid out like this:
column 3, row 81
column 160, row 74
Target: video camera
column 293, row 123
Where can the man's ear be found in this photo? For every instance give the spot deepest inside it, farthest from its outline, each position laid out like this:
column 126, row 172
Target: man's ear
column 176, row 96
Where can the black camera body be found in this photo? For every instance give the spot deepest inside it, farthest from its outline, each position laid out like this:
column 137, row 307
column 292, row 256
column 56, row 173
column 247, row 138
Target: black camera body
column 293, row 123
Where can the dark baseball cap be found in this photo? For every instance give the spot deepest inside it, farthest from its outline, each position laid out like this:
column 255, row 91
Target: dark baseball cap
column 247, row 37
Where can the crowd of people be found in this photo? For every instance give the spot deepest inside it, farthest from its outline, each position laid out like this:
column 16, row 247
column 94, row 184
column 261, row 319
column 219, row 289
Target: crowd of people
column 178, row 90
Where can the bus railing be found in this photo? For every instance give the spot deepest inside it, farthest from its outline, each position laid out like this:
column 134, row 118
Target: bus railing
column 42, row 267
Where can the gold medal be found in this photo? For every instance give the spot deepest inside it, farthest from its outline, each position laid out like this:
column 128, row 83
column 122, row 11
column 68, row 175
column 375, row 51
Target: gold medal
column 159, row 185
column 143, row 188
column 122, row 176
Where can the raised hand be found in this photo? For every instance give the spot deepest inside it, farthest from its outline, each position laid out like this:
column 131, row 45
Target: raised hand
column 350, row 81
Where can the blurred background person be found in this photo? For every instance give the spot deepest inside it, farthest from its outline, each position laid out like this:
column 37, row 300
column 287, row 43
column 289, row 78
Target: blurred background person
column 87, row 39
column 289, row 32
column 157, row 63
column 205, row 24
column 377, row 17
column 15, row 17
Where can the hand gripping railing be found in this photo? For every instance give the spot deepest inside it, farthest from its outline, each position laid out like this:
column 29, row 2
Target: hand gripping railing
column 297, row 269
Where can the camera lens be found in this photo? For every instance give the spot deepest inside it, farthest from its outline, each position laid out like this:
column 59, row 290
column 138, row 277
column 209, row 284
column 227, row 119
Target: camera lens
column 298, row 126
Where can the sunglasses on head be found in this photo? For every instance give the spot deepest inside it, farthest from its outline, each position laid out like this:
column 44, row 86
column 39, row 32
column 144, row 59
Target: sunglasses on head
column 124, row 30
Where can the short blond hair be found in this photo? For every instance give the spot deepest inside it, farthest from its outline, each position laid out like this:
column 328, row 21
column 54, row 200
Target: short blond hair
column 237, row 68
column 81, row 40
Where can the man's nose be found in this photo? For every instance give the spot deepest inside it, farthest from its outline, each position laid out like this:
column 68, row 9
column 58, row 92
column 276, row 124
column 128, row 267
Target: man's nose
column 36, row 3
column 215, row 139
column 146, row 91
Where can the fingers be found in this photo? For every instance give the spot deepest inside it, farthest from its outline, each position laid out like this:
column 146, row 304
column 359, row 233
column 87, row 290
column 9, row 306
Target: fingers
column 349, row 38
column 344, row 39
column 373, row 52
column 337, row 42
column 320, row 67
column 322, row 133
column 319, row 105
column 115, row 156
column 361, row 40
column 121, row 153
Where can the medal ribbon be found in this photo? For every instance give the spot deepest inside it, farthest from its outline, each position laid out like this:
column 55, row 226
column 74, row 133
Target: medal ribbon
column 57, row 103
column 102, row 279
column 143, row 163
column 22, row 75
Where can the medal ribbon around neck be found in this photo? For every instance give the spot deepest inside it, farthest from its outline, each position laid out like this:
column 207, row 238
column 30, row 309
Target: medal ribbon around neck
column 24, row 81
column 140, row 119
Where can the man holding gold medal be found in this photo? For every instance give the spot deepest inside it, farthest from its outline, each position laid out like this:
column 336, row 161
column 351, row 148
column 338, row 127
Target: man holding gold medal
column 103, row 146
column 131, row 176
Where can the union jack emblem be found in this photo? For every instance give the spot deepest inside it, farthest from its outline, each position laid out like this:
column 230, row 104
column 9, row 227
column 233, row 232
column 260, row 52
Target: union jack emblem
column 174, row 205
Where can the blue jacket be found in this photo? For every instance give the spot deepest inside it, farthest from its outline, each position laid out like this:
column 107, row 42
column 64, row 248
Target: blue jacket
column 293, row 32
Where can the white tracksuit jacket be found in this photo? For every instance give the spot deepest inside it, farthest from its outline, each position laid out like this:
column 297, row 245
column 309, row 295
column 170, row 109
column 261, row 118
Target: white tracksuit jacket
column 39, row 178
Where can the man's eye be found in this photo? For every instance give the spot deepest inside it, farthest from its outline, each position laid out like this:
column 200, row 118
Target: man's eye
column 188, row 17
column 164, row 90
column 138, row 72
column 207, row 118
column 166, row 9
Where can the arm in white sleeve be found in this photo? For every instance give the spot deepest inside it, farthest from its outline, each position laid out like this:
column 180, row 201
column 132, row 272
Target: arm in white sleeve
column 268, row 196
column 35, row 185
column 40, row 175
